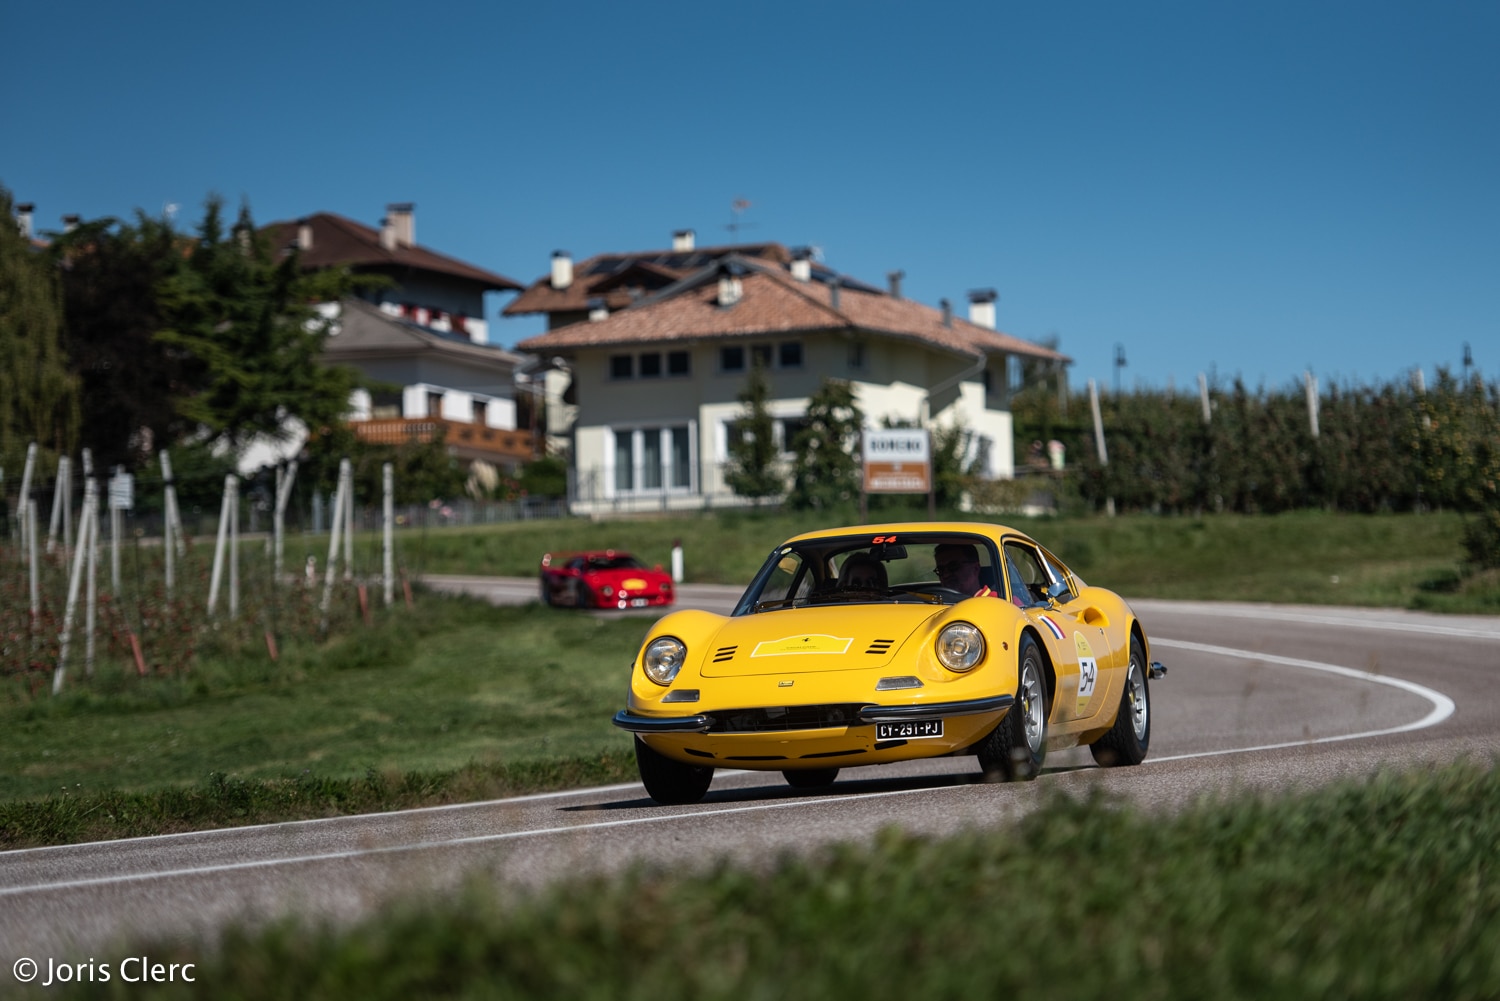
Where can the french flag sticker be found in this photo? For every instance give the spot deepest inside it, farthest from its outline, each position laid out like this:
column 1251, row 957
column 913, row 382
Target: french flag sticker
column 1056, row 632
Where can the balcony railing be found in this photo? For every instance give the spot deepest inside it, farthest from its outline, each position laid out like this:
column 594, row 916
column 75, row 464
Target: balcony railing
column 469, row 441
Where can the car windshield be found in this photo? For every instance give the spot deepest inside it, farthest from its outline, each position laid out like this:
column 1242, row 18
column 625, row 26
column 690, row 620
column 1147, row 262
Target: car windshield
column 615, row 561
column 920, row 567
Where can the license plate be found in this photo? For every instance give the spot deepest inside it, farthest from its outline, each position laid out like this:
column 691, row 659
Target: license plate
column 639, row 602
column 909, row 729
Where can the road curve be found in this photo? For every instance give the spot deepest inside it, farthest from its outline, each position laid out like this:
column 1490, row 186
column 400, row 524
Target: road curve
column 1258, row 696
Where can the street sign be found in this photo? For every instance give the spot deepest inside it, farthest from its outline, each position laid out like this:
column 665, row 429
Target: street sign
column 122, row 491
column 898, row 461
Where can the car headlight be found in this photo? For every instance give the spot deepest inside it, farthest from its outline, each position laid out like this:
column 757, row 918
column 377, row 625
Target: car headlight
column 663, row 659
column 960, row 646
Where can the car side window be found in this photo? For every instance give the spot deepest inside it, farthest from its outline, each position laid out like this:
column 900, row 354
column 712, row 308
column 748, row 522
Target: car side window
column 1059, row 574
column 788, row 579
column 1026, row 563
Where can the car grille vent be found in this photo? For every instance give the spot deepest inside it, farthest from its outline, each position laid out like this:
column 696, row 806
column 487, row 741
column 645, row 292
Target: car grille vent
column 724, row 653
column 880, row 647
column 774, row 718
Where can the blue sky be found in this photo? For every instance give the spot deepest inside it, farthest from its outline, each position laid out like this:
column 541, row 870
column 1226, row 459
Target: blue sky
column 1245, row 189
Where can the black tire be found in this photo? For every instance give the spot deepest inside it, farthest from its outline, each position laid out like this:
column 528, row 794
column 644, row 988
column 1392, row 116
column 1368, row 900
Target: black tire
column 1129, row 739
column 582, row 596
column 546, row 592
column 671, row 782
column 1016, row 748
column 810, row 778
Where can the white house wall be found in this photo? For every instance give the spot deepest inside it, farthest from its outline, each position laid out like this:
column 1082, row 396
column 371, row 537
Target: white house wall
column 458, row 405
column 890, row 380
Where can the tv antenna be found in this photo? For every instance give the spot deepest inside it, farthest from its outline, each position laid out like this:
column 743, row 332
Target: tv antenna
column 736, row 209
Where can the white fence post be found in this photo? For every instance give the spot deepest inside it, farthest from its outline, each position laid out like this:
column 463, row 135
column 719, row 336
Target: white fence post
column 221, row 543
column 26, row 548
column 388, row 482
column 1310, row 384
column 74, row 579
column 340, row 506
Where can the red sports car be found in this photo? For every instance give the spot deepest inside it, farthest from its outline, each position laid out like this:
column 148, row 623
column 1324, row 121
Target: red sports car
column 606, row 578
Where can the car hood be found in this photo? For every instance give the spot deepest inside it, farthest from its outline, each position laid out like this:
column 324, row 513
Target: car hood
column 814, row 640
column 626, row 578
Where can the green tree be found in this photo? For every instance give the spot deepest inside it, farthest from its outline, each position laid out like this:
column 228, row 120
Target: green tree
column 250, row 321
column 752, row 447
column 110, row 275
column 38, row 394
column 825, row 470
column 545, row 477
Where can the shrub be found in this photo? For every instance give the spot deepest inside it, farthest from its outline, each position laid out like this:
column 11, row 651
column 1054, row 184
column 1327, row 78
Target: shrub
column 1482, row 540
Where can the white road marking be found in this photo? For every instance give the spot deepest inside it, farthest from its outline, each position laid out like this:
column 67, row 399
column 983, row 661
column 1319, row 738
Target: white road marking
column 284, row 824
column 1443, row 707
column 1382, row 619
column 424, row 845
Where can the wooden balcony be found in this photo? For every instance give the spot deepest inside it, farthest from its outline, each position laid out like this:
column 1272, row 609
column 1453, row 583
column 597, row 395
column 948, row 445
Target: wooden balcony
column 465, row 441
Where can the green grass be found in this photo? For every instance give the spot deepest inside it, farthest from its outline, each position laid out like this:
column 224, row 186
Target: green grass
column 457, row 699
column 1376, row 889
column 1403, row 561
column 449, row 696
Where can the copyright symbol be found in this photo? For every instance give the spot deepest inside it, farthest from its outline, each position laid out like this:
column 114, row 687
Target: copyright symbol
column 25, row 970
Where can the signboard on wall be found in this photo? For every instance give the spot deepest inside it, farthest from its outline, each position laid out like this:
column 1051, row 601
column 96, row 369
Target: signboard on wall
column 897, row 461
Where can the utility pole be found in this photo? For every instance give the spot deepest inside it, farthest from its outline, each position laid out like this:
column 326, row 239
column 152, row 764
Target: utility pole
column 1119, row 364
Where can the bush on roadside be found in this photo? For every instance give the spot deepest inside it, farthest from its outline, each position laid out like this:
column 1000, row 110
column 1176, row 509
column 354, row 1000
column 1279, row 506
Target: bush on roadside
column 1482, row 540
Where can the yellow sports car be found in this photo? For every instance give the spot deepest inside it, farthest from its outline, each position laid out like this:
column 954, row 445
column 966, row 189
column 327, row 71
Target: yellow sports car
column 880, row 643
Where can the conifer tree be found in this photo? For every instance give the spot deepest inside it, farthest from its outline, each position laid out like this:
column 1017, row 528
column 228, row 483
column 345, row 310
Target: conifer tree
column 825, row 469
column 38, row 395
column 250, row 321
column 752, row 447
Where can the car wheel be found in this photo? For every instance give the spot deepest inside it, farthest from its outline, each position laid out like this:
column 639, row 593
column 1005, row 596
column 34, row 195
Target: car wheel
column 1128, row 740
column 546, row 592
column 582, row 596
column 810, row 778
column 670, row 782
column 1017, row 747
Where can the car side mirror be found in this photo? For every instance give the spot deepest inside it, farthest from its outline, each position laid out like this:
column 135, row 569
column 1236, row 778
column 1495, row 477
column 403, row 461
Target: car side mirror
column 1057, row 590
column 658, row 568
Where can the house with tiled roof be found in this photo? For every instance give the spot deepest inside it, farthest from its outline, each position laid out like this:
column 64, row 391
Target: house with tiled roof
column 423, row 331
column 655, row 383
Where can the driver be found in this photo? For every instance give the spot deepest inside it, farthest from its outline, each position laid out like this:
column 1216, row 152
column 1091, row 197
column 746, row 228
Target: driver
column 958, row 569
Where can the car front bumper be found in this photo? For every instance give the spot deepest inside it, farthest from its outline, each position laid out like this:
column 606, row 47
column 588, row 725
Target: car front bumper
column 718, row 720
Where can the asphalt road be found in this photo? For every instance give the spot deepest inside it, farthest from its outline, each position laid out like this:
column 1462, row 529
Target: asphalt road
column 1258, row 697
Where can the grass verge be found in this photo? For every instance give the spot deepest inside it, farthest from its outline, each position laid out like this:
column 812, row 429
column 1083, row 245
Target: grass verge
column 227, row 801
column 1376, row 889
column 1306, row 557
column 453, row 699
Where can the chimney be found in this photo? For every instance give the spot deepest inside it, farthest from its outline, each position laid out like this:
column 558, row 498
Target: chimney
column 802, row 264
column 730, row 289
column 70, row 223
column 894, row 277
column 833, row 293
column 982, row 307
column 684, row 239
column 387, row 234
column 304, row 235
column 562, row 269
column 947, row 312
column 403, row 219
column 598, row 310
column 23, row 219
